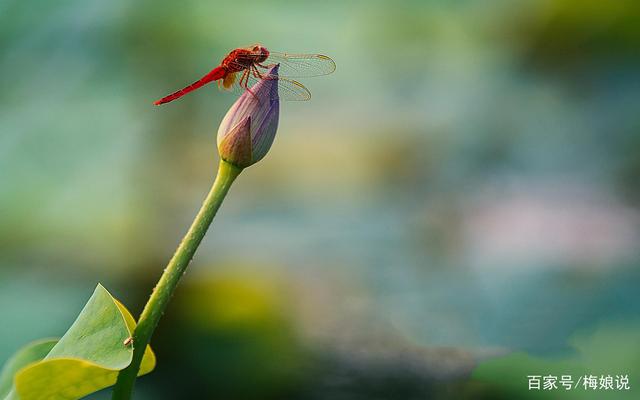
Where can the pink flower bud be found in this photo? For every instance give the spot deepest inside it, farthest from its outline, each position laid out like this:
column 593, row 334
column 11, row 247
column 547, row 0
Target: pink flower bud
column 247, row 130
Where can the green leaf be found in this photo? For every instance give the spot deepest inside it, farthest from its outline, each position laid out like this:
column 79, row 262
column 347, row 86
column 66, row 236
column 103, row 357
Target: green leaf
column 86, row 359
column 32, row 352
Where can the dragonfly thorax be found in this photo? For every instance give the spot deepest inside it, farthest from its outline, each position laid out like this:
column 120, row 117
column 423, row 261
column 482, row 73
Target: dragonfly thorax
column 240, row 59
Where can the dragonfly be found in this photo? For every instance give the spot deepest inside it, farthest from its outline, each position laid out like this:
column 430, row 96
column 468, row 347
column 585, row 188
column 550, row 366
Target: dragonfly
column 243, row 67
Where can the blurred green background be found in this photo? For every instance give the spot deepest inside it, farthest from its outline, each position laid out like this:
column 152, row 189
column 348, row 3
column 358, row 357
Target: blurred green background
column 463, row 187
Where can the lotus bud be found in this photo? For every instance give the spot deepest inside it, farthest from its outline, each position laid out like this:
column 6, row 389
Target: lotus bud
column 247, row 131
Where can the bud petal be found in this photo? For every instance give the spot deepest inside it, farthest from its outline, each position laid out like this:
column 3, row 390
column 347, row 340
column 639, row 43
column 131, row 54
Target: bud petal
column 247, row 130
column 236, row 145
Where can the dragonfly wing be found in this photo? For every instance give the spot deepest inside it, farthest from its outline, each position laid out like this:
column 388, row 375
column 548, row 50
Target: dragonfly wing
column 288, row 89
column 300, row 65
column 291, row 90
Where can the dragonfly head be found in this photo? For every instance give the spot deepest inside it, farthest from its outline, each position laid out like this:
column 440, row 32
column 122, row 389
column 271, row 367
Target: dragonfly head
column 260, row 53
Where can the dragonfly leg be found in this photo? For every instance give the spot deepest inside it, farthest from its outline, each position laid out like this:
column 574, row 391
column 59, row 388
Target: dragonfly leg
column 262, row 66
column 244, row 79
column 244, row 82
column 260, row 75
column 256, row 73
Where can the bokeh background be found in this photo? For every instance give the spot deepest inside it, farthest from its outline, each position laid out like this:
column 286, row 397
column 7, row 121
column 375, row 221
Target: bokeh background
column 462, row 189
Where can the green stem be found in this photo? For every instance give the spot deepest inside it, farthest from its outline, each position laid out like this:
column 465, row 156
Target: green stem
column 163, row 291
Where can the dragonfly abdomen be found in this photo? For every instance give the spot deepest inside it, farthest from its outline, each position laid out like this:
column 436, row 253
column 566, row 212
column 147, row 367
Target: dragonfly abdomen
column 213, row 75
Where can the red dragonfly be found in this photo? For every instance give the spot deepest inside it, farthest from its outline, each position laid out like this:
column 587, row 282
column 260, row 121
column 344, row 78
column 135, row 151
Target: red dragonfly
column 251, row 64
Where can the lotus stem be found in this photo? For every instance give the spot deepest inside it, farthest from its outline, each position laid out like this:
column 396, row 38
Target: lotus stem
column 168, row 282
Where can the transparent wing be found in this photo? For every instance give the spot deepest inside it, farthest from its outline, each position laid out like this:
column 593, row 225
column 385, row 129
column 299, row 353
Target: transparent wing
column 288, row 89
column 300, row 65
